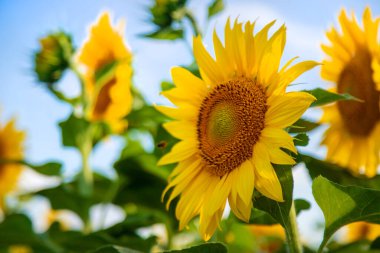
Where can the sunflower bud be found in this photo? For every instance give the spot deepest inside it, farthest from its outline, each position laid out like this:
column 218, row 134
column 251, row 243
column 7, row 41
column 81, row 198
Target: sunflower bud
column 165, row 13
column 53, row 57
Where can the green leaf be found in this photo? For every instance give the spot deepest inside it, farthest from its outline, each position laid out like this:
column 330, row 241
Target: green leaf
column 66, row 196
column 165, row 85
column 342, row 205
column 121, row 235
column 326, row 97
column 146, row 118
column 361, row 246
column 337, row 174
column 203, row 248
column 215, row 7
column 115, row 249
column 301, row 205
column 301, row 139
column 73, row 131
column 167, row 33
column 303, row 126
column 279, row 210
column 16, row 229
column 48, row 169
column 376, row 244
column 261, row 218
column 139, row 185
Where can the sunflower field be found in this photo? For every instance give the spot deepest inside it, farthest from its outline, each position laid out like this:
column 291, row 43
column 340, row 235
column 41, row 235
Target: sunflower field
column 186, row 126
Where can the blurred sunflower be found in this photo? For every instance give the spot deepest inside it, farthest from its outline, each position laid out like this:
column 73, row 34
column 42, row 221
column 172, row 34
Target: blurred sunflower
column 353, row 138
column 270, row 238
column 11, row 149
column 362, row 230
column 231, row 123
column 108, row 73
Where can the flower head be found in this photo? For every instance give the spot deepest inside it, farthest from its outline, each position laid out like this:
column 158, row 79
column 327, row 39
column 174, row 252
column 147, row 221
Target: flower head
column 108, row 73
column 352, row 64
column 231, row 124
column 53, row 57
column 362, row 230
column 11, row 150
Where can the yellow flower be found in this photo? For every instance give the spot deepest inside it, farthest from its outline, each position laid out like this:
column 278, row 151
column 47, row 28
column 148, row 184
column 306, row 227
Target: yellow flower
column 109, row 97
column 11, row 149
column 353, row 138
column 231, row 124
column 20, row 249
column 362, row 230
column 269, row 238
column 268, row 230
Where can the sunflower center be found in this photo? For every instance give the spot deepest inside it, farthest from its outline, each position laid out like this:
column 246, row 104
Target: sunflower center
column 230, row 122
column 356, row 79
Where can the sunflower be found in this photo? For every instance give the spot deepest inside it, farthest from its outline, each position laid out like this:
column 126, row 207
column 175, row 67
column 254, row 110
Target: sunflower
column 352, row 64
column 362, row 230
column 11, row 149
column 231, row 124
column 105, row 54
column 269, row 238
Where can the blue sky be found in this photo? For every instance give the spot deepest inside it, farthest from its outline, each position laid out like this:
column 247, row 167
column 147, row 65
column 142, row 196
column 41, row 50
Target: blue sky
column 23, row 22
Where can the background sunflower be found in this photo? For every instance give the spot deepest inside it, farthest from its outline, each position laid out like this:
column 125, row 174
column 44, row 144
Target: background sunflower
column 353, row 138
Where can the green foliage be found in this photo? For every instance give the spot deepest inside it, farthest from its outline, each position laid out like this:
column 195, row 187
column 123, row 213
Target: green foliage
column 166, row 15
column 203, row 248
column 73, row 131
column 301, row 139
column 47, row 169
column 301, row 205
column 166, row 34
column 66, row 196
column 326, row 97
column 215, row 7
column 115, row 249
column 342, row 205
column 362, row 246
column 259, row 217
column 302, row 126
column 337, row 174
column 17, row 229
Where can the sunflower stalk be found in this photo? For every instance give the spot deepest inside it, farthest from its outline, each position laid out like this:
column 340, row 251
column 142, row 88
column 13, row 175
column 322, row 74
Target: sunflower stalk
column 194, row 24
column 86, row 177
column 292, row 234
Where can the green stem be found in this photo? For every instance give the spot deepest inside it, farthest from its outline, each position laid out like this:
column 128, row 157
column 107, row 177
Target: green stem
column 189, row 15
column 292, row 235
column 170, row 233
column 85, row 149
column 86, row 176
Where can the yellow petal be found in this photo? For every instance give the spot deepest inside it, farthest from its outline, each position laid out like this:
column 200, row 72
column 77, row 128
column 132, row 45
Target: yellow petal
column 245, row 181
column 261, row 160
column 217, row 195
column 278, row 156
column 209, row 224
column 184, row 112
column 181, row 129
column 291, row 74
column 192, row 89
column 269, row 187
column 179, row 152
column 286, row 109
column 192, row 199
column 277, row 137
column 208, row 67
